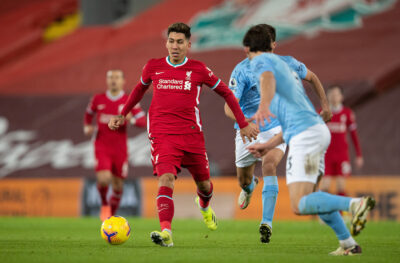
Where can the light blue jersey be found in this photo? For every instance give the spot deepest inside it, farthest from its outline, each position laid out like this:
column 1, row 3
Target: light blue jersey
column 292, row 107
column 243, row 83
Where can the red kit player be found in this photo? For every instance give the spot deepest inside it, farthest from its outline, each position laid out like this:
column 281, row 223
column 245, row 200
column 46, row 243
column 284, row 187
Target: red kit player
column 175, row 128
column 337, row 161
column 111, row 147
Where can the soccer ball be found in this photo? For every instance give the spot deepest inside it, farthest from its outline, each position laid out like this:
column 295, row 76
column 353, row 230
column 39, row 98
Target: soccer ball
column 115, row 230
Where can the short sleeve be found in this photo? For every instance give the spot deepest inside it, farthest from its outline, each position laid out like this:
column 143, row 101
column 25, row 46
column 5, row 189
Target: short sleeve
column 146, row 74
column 237, row 82
column 300, row 68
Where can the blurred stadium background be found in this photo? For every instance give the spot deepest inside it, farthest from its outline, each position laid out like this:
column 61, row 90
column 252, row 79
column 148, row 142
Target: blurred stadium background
column 54, row 55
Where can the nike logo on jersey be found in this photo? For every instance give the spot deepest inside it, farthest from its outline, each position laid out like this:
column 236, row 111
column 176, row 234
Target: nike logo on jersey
column 158, row 73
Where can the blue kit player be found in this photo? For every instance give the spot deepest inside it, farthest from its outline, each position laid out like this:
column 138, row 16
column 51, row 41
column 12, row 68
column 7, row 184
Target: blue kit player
column 283, row 95
column 243, row 83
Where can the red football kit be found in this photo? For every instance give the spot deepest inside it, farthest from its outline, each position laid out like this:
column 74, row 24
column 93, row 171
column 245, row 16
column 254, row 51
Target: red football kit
column 337, row 160
column 174, row 123
column 111, row 146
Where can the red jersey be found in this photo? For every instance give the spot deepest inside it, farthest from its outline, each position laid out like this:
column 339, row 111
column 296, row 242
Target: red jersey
column 342, row 122
column 176, row 95
column 105, row 106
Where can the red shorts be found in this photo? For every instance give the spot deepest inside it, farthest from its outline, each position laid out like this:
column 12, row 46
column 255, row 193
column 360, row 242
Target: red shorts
column 170, row 152
column 337, row 167
column 116, row 163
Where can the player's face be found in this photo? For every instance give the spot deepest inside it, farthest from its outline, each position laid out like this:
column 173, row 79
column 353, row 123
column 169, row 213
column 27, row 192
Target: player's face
column 115, row 80
column 177, row 46
column 335, row 96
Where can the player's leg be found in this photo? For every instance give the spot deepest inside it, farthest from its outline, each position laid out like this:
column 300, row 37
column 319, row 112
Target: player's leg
column 104, row 177
column 270, row 191
column 166, row 159
column 117, row 190
column 330, row 171
column 247, row 181
column 120, row 172
column 304, row 166
column 245, row 164
column 345, row 171
column 165, row 208
column 197, row 164
column 325, row 183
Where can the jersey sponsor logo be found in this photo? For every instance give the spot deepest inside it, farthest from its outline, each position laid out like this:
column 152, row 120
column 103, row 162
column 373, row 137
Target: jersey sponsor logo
column 337, row 127
column 105, row 118
column 174, row 84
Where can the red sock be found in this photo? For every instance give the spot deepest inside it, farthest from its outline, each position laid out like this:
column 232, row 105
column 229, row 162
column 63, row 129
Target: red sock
column 205, row 197
column 342, row 193
column 103, row 190
column 115, row 200
column 165, row 206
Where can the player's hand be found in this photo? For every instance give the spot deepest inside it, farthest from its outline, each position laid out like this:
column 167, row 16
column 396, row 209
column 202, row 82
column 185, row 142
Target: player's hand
column 250, row 131
column 261, row 114
column 88, row 130
column 116, row 122
column 259, row 149
column 326, row 115
column 359, row 162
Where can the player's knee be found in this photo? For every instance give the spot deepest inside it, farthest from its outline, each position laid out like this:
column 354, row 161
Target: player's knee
column 269, row 169
column 103, row 178
column 295, row 209
column 204, row 186
column 167, row 180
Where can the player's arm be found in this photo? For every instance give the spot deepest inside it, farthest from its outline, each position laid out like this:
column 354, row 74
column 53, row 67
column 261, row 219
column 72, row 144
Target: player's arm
column 135, row 96
column 221, row 89
column 138, row 117
column 133, row 99
column 261, row 149
column 246, row 130
column 228, row 112
column 267, row 90
column 352, row 126
column 237, row 84
column 313, row 79
column 88, row 127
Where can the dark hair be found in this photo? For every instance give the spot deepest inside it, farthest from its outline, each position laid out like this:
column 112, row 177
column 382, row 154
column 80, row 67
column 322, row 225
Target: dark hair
column 335, row 86
column 180, row 28
column 271, row 31
column 258, row 38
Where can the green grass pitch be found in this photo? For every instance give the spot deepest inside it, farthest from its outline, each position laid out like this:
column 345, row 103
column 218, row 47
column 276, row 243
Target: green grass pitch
column 78, row 240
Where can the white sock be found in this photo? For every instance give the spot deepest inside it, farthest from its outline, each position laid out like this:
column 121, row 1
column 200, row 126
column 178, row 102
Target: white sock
column 348, row 242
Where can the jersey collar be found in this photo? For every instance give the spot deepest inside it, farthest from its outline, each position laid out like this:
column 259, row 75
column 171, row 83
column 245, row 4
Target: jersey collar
column 114, row 98
column 337, row 109
column 176, row 65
